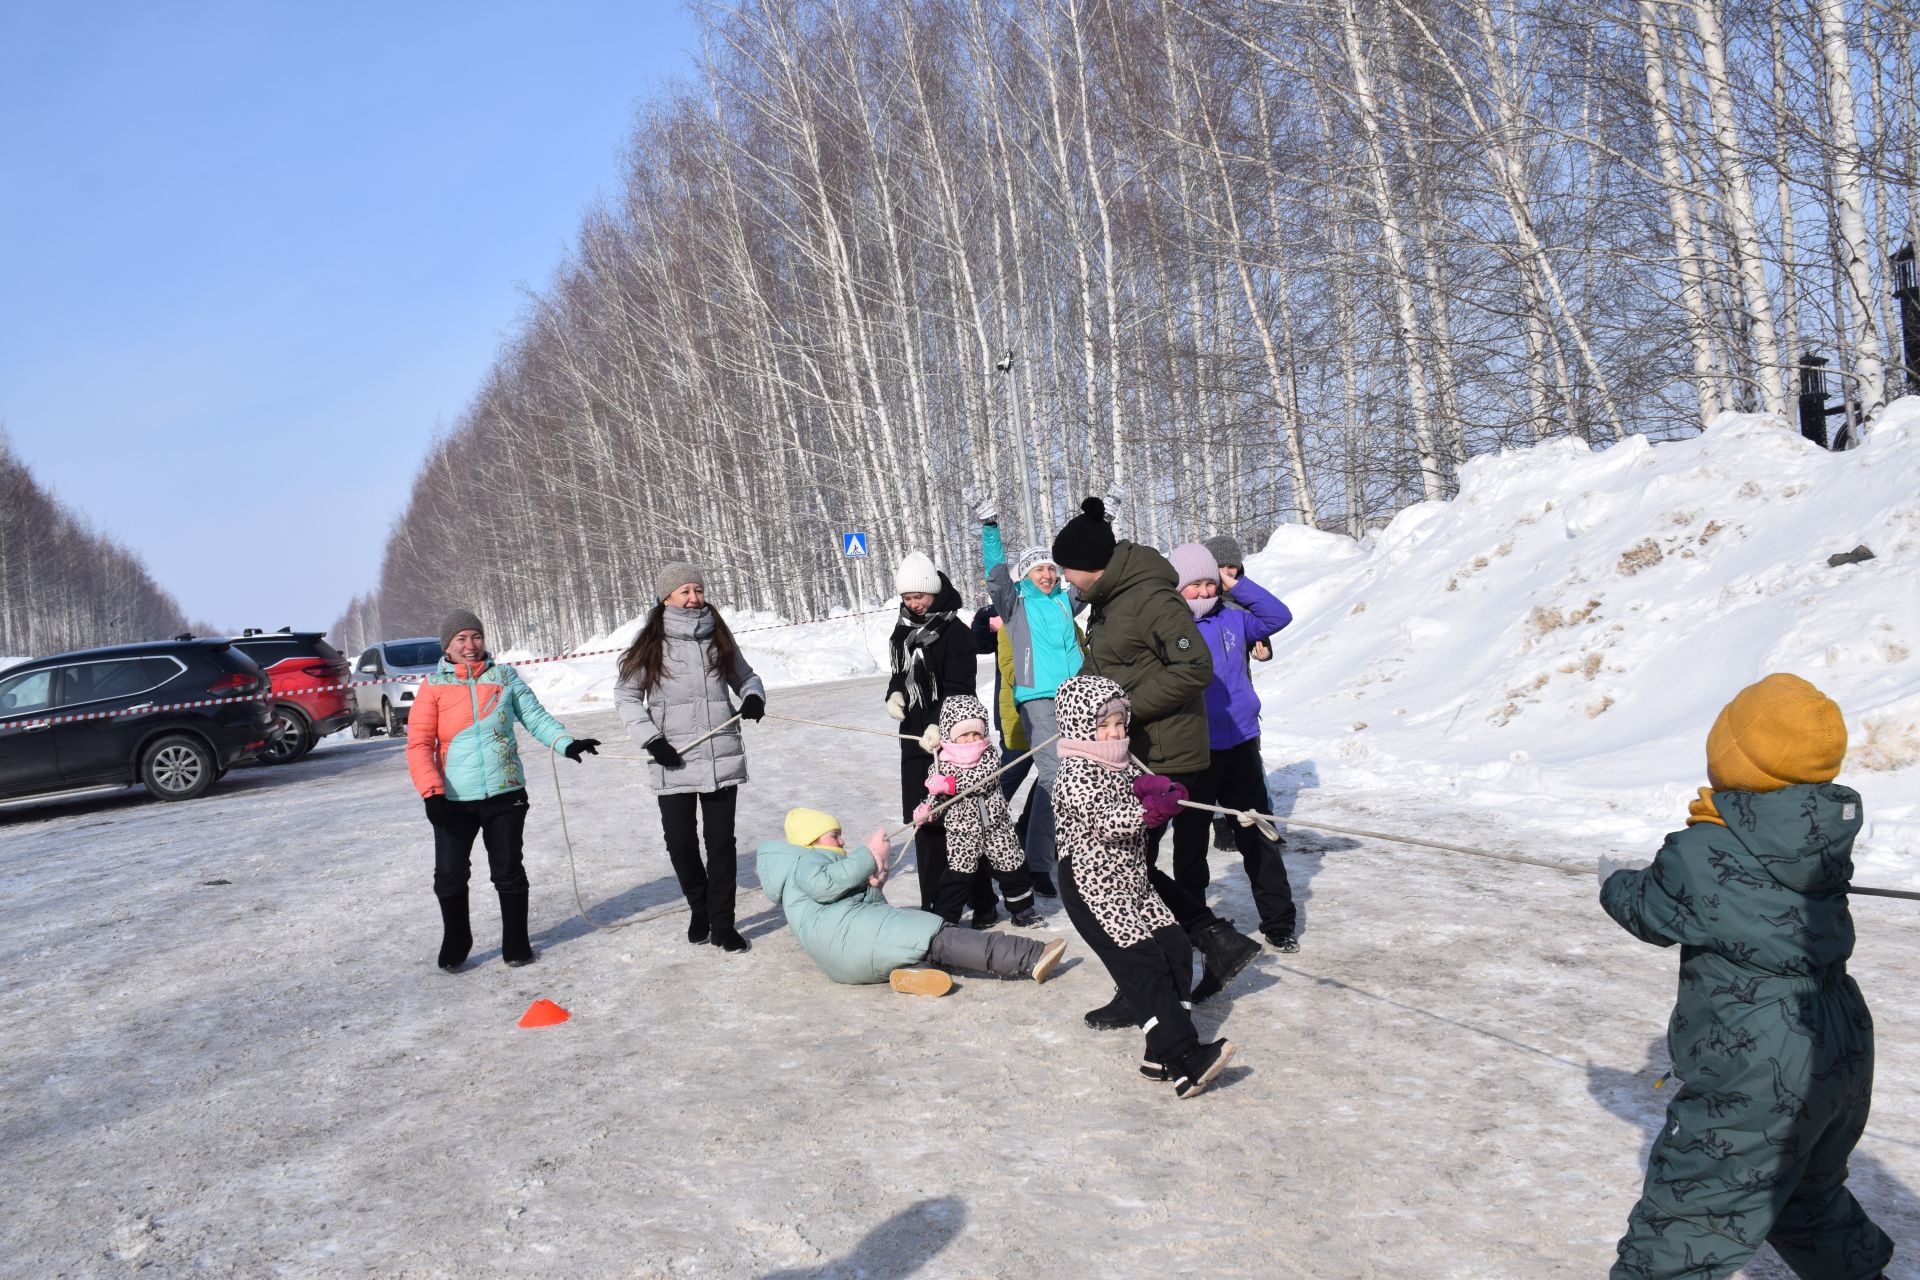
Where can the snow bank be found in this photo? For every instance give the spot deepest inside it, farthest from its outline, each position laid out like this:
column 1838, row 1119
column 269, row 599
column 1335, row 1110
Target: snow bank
column 1557, row 639
column 783, row 653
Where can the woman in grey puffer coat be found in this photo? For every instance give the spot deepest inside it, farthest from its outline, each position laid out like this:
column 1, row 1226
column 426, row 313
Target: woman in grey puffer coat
column 673, row 687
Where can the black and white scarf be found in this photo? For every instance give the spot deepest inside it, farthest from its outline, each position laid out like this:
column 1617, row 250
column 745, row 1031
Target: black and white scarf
column 911, row 636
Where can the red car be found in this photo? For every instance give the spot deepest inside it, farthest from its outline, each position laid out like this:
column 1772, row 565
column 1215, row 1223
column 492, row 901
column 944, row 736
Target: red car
column 309, row 697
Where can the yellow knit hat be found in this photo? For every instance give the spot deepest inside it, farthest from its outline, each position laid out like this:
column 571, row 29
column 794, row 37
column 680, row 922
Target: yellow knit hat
column 806, row 826
column 1776, row 733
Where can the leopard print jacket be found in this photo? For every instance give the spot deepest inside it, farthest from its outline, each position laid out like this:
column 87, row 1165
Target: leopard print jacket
column 978, row 825
column 1099, row 825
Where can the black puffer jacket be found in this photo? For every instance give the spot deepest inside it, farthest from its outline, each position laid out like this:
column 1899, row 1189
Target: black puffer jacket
column 947, row 662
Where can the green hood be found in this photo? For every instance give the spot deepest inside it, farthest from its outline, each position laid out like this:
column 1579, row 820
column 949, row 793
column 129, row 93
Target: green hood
column 1131, row 566
column 1800, row 836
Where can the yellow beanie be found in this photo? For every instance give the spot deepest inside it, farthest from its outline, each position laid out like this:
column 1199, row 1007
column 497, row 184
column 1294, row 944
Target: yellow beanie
column 1774, row 734
column 806, row 826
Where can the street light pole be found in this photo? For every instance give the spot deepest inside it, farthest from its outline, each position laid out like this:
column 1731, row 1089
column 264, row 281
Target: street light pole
column 1020, row 445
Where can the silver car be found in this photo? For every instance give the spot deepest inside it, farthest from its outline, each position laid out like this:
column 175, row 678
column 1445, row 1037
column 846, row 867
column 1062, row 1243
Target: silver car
column 396, row 666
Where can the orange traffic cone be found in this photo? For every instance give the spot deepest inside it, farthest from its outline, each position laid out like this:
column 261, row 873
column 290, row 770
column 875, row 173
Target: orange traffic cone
column 544, row 1013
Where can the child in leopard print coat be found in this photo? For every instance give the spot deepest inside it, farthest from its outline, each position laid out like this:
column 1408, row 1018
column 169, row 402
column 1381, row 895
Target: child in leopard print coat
column 1101, row 835
column 978, row 825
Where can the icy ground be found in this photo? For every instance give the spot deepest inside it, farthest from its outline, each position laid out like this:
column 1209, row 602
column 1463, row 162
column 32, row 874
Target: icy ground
column 227, row 1053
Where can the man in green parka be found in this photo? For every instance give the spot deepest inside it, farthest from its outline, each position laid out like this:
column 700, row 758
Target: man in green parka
column 1771, row 1041
column 834, row 902
column 1141, row 635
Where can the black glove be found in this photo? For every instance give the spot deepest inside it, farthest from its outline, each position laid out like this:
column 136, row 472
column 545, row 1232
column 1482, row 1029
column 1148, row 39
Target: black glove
column 663, row 754
column 581, row 747
column 752, row 707
column 437, row 810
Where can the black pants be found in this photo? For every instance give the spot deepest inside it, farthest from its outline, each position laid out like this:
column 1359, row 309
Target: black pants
column 1237, row 779
column 930, row 841
column 710, row 887
column 957, row 890
column 1155, row 976
column 501, row 822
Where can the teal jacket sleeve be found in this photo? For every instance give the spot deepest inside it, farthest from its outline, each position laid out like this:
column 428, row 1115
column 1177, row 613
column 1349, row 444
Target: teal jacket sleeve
column 831, row 879
column 539, row 721
column 1657, row 904
column 1001, row 588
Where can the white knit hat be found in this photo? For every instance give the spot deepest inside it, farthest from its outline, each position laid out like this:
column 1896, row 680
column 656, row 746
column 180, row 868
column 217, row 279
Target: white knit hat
column 916, row 573
column 1029, row 560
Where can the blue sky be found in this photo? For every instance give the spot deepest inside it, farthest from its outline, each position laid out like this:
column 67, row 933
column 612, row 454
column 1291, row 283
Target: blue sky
column 253, row 256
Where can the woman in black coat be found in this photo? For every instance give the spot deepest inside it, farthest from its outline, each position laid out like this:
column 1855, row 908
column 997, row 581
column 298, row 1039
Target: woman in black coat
column 933, row 659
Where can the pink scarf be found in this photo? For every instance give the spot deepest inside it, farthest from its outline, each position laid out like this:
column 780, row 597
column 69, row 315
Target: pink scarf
column 963, row 755
column 1108, row 754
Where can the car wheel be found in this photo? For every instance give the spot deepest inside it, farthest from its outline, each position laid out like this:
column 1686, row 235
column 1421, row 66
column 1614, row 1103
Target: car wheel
column 287, row 737
column 396, row 727
column 361, row 729
column 177, row 767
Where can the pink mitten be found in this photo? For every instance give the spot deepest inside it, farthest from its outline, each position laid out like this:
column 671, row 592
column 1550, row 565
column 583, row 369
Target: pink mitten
column 1159, row 797
column 941, row 784
column 995, row 622
column 922, row 814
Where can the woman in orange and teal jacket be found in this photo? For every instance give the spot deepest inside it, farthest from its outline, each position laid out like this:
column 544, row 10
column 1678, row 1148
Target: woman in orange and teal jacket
column 466, row 766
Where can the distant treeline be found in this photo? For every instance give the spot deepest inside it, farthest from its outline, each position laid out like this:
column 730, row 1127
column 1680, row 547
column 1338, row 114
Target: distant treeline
column 1245, row 261
column 64, row 586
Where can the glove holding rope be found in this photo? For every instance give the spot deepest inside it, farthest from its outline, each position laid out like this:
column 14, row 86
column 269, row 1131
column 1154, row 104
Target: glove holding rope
column 752, row 707
column 1159, row 797
column 581, row 747
column 663, row 754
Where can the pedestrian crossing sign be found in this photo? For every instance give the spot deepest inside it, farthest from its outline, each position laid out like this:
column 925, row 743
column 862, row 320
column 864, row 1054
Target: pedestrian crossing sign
column 853, row 545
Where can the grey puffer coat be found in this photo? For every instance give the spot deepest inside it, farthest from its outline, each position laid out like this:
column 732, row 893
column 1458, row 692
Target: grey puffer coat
column 688, row 702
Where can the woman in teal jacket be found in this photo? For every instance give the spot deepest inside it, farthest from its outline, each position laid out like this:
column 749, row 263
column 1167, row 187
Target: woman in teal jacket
column 834, row 901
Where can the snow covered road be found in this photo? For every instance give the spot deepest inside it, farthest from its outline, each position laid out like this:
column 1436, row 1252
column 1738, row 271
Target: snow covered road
column 227, row 1052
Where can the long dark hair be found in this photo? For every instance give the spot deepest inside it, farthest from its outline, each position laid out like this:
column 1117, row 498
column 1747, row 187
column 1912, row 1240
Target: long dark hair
column 647, row 655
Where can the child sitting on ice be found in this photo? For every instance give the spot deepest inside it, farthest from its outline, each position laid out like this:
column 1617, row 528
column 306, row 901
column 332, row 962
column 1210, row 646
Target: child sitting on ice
column 1770, row 1038
column 1100, row 805
column 834, row 905
column 978, row 825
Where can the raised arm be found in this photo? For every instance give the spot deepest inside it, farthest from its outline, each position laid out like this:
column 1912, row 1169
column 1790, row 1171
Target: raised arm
column 1270, row 614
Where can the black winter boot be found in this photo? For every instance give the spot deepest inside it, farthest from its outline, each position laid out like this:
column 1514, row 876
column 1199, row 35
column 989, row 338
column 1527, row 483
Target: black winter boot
column 514, row 947
column 697, row 930
column 456, row 933
column 1044, row 886
column 1207, row 988
column 1202, row 1067
column 1114, row 1015
column 1227, row 950
column 727, row 938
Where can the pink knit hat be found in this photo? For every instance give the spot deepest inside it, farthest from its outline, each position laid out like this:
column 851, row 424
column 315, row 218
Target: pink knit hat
column 1194, row 563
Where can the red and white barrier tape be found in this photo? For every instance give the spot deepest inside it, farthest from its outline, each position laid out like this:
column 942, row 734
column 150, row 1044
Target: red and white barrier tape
column 145, row 709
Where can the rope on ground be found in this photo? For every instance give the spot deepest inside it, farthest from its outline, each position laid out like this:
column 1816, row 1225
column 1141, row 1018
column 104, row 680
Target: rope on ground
column 1867, row 890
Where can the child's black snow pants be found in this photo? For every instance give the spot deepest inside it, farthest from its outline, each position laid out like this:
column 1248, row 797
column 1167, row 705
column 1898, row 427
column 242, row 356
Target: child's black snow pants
column 1155, row 976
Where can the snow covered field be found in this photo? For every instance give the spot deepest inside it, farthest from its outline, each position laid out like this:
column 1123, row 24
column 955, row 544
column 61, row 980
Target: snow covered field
column 228, row 1053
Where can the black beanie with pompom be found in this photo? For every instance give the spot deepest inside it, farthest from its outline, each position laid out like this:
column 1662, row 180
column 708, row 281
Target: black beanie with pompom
column 1087, row 541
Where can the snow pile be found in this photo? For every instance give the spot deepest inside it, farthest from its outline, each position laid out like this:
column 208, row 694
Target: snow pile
column 783, row 654
column 1556, row 640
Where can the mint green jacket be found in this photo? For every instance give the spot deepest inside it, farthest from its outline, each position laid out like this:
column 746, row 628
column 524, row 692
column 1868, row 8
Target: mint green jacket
column 841, row 921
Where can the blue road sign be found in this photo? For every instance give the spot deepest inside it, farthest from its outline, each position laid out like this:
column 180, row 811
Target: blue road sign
column 853, row 545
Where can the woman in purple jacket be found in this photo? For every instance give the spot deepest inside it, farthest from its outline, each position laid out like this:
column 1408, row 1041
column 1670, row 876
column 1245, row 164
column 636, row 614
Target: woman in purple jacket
column 1236, row 777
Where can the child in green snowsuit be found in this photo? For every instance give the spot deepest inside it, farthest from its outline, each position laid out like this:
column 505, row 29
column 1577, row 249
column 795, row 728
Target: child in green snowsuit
column 1771, row 1041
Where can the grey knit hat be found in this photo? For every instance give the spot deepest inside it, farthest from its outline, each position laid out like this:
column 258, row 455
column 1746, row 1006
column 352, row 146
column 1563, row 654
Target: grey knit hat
column 674, row 576
column 456, row 622
column 1226, row 550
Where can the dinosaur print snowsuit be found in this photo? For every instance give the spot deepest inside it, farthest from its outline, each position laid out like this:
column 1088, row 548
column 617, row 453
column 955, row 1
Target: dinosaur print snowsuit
column 1770, row 1037
column 1100, row 833
column 978, row 825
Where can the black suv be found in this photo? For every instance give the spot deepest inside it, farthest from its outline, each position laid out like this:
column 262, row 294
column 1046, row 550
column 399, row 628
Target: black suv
column 178, row 752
